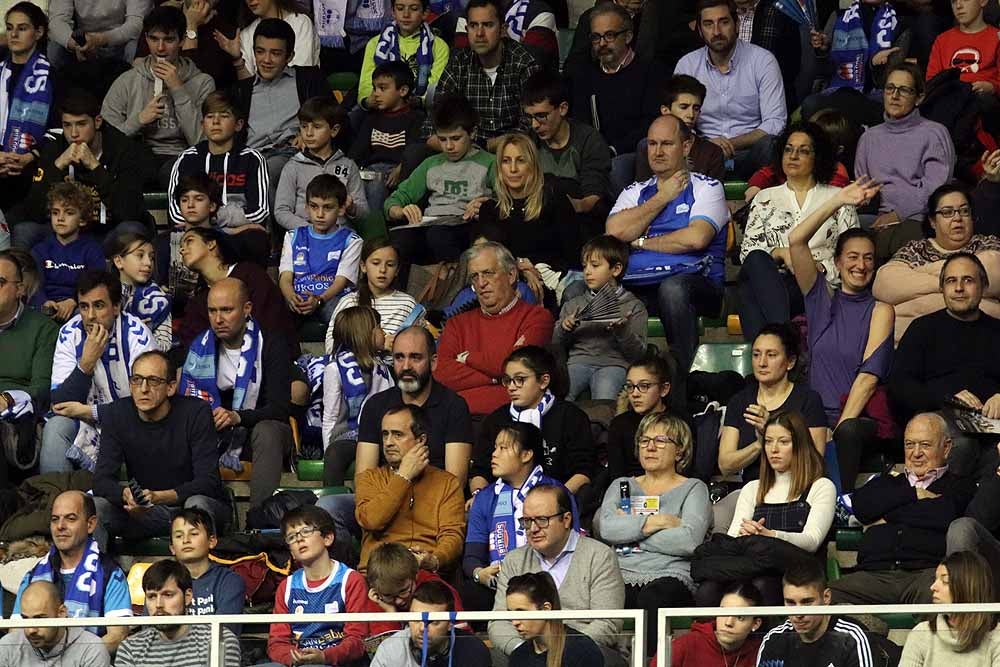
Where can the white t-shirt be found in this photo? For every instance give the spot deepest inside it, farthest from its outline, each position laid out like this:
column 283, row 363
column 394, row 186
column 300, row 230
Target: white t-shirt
column 229, row 361
column 306, row 42
column 492, row 73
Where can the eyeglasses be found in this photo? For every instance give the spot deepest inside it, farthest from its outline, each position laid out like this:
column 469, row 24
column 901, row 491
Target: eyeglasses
column 518, row 381
column 609, row 36
column 904, row 91
column 4, row 282
column 403, row 595
column 949, row 212
column 541, row 116
column 487, row 276
column 154, row 382
column 643, row 387
column 804, row 151
column 541, row 521
column 302, row 533
column 661, row 441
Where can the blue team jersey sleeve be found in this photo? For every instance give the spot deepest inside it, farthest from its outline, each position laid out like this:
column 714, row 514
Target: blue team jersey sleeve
column 16, row 613
column 478, row 530
column 709, row 201
column 117, row 599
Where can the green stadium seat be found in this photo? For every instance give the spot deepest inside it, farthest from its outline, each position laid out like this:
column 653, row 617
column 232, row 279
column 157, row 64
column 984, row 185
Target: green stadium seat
column 654, row 328
column 320, row 491
column 718, row 357
column 565, row 39
column 735, row 190
column 309, row 471
column 343, row 81
column 372, row 226
column 155, row 201
column 848, row 539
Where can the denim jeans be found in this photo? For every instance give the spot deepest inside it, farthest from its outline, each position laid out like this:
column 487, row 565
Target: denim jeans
column 341, row 508
column 154, row 522
column 605, row 382
column 376, row 191
column 57, row 437
column 767, row 295
column 679, row 300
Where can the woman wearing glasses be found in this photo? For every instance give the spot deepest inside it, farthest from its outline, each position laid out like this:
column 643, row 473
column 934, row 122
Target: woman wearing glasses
column 656, row 520
column 804, row 157
column 647, row 388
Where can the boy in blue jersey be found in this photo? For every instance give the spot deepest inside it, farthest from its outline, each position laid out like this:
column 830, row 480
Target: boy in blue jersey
column 321, row 585
column 320, row 262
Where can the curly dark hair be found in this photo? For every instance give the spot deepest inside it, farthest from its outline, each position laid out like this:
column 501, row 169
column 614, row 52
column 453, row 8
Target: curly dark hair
column 825, row 160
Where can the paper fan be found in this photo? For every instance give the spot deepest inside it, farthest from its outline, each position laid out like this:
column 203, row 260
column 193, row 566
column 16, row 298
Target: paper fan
column 604, row 305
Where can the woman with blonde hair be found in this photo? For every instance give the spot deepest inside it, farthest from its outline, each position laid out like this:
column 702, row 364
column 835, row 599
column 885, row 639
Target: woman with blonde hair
column 354, row 372
column 957, row 640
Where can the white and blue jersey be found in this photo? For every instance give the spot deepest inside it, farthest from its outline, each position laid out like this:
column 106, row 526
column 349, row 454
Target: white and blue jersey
column 316, row 260
column 330, row 597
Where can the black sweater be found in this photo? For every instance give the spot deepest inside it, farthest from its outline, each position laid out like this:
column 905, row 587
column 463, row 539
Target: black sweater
column 179, row 452
column 940, row 356
column 627, row 101
column 913, row 535
column 384, row 135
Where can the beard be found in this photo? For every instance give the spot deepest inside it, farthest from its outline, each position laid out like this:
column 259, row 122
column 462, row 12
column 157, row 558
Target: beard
column 413, row 383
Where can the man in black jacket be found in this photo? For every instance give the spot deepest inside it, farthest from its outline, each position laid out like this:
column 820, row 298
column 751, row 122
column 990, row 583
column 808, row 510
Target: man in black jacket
column 978, row 529
column 250, row 397
column 907, row 516
column 95, row 154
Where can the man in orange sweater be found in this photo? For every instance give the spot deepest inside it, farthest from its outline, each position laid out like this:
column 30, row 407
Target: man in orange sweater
column 474, row 344
column 408, row 500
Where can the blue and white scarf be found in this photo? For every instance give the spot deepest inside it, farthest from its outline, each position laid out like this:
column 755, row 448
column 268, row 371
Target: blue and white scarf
column 313, row 367
column 364, row 19
column 84, row 595
column 329, row 17
column 199, row 378
column 851, row 49
column 514, row 19
column 536, row 414
column 387, row 50
column 149, row 303
column 352, row 388
column 25, row 118
column 505, row 534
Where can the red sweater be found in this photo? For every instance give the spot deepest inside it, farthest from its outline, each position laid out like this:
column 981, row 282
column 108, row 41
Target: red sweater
column 976, row 54
column 700, row 648
column 280, row 641
column 488, row 340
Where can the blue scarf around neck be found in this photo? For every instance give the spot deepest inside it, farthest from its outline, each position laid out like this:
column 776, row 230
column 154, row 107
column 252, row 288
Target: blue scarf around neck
column 387, row 50
column 28, row 111
column 851, row 49
column 84, row 594
column 352, row 387
column 506, row 535
column 514, row 19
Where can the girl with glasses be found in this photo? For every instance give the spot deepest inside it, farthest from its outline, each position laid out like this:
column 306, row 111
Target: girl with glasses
column 646, row 391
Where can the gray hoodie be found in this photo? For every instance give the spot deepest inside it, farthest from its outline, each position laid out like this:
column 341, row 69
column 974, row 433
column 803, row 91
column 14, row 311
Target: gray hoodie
column 180, row 126
column 80, row 649
column 290, row 201
column 592, row 343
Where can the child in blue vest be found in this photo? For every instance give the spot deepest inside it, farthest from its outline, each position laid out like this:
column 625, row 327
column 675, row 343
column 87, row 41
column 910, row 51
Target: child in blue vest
column 319, row 263
column 321, row 586
column 66, row 254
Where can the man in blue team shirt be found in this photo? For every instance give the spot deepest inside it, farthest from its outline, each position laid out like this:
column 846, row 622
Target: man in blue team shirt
column 676, row 225
column 91, row 583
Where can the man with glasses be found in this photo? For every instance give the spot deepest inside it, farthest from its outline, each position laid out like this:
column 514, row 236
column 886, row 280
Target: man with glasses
column 91, row 367
column 167, row 444
column 27, row 342
column 475, row 344
column 615, row 93
column 907, row 516
column 408, row 500
column 585, row 571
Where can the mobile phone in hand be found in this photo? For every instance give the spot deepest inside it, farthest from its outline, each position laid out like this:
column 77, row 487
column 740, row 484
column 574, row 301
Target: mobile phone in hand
column 138, row 494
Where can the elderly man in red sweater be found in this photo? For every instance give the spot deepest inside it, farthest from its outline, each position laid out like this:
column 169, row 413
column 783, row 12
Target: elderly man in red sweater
column 474, row 344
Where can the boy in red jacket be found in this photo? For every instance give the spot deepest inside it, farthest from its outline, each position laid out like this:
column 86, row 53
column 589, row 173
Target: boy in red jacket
column 972, row 46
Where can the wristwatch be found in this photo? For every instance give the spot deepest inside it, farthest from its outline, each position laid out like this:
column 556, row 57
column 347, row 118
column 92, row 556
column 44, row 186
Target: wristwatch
column 191, row 34
column 639, row 242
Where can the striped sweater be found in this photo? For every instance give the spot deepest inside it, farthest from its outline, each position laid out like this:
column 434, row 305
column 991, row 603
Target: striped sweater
column 149, row 648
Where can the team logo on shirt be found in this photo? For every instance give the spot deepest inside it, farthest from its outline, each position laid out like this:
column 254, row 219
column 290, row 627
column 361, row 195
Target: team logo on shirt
column 682, row 208
column 967, row 60
column 333, row 255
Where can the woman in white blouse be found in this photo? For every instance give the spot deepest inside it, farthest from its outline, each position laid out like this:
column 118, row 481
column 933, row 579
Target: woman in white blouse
column 306, row 42
column 768, row 292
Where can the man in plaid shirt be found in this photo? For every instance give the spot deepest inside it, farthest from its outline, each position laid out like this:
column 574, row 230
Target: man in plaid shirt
column 490, row 73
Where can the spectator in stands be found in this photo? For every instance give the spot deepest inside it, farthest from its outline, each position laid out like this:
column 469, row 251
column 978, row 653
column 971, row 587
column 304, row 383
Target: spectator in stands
column 714, row 643
column 490, row 74
column 215, row 589
column 451, row 182
column 646, row 20
column 529, row 22
column 683, row 96
column 940, row 358
column 397, row 310
column 976, row 531
column 475, row 344
column 529, row 216
column 393, row 575
column 676, row 225
column 546, row 642
column 355, row 372
column 37, row 647
column 319, row 262
column 303, row 50
column 408, row 39
column 655, row 549
column 88, row 582
column 766, row 26
column 442, row 644
column 167, row 444
column 768, row 290
column 91, row 367
column 392, row 121
column 241, row 370
column 615, row 92
column 132, row 258
column 168, row 590
column 517, row 464
column 646, row 389
column 92, row 153
column 584, row 570
column 279, row 88
column 601, row 346
column 909, row 155
column 320, row 121
column 321, row 585
column 160, row 99
column 239, row 170
column 95, row 31
column 408, row 500
column 910, row 280
column 66, row 254
column 907, row 517
column 850, row 332
column 572, row 155
column 27, row 341
column 972, row 47
column 204, row 251
column 28, row 98
column 745, row 107
column 203, row 18
column 957, row 639
column 570, row 454
column 198, row 198
column 803, row 641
